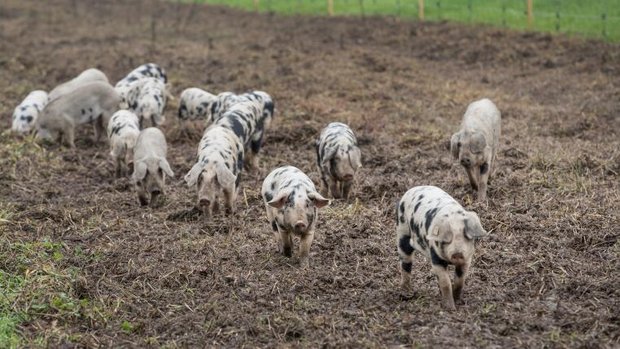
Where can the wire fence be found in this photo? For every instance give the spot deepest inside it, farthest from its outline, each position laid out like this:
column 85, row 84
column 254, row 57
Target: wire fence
column 592, row 18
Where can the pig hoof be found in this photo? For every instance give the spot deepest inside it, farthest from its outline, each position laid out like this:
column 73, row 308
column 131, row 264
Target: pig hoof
column 143, row 202
column 288, row 252
column 304, row 263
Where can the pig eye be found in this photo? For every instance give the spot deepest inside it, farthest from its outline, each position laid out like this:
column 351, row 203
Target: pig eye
column 139, row 183
column 160, row 172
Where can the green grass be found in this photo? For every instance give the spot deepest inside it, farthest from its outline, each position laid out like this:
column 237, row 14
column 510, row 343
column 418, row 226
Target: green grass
column 592, row 18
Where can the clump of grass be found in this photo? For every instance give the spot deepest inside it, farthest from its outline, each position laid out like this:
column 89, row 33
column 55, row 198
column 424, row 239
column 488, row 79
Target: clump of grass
column 37, row 287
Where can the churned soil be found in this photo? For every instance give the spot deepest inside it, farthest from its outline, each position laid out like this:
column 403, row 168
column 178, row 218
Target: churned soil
column 547, row 276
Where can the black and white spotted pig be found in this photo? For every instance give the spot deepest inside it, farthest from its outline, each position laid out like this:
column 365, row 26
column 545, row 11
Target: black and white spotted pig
column 151, row 102
column 246, row 119
column 431, row 222
column 217, row 170
column 123, row 132
column 128, row 83
column 27, row 112
column 338, row 159
column 475, row 145
column 150, row 165
column 292, row 204
column 195, row 104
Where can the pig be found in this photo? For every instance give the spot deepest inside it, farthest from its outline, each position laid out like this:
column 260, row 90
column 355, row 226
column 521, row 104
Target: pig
column 150, row 165
column 338, row 159
column 123, row 132
column 132, row 83
column 151, row 102
column 88, row 75
column 217, row 169
column 292, row 204
column 90, row 102
column 475, row 145
column 248, row 118
column 27, row 112
column 431, row 222
column 195, row 104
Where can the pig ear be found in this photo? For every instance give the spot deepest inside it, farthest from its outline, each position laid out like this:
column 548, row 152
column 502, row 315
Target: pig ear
column 318, row 200
column 355, row 157
column 279, row 200
column 163, row 164
column 139, row 171
column 225, row 177
column 477, row 143
column 192, row 176
column 454, row 145
column 441, row 235
column 329, row 154
column 473, row 228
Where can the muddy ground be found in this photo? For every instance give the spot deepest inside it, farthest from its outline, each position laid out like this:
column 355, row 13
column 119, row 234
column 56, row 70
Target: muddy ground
column 546, row 277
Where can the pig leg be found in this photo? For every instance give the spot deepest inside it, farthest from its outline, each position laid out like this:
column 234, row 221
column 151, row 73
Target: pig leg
column 324, row 185
column 118, row 168
column 275, row 228
column 304, row 248
column 346, row 188
column 333, row 188
column 142, row 198
column 154, row 200
column 405, row 250
column 472, row 177
column 68, row 135
column 287, row 242
column 230, row 194
column 483, row 175
column 459, row 280
column 98, row 126
column 447, row 299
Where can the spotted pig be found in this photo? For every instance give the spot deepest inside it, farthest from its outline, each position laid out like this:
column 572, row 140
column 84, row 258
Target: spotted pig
column 195, row 104
column 338, row 159
column 217, row 170
column 123, row 132
column 292, row 204
column 27, row 112
column 248, row 118
column 151, row 102
column 130, row 83
column 431, row 222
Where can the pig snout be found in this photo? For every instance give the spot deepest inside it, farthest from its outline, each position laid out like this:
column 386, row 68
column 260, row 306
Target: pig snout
column 347, row 177
column 300, row 226
column 204, row 202
column 458, row 258
column 466, row 162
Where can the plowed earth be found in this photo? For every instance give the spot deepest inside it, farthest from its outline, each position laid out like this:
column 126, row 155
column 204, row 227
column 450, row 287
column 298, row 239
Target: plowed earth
column 547, row 276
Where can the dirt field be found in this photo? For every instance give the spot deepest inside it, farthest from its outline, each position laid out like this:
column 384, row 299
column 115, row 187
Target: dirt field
column 106, row 272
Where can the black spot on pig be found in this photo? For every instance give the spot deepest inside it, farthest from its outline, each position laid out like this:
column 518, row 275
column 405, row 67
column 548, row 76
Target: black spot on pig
column 406, row 266
column 430, row 214
column 405, row 245
column 436, row 260
column 268, row 196
column 484, row 168
column 415, row 208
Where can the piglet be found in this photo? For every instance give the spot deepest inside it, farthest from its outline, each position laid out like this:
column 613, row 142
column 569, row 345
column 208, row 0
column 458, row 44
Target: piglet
column 431, row 222
column 292, row 204
column 338, row 159
column 150, row 165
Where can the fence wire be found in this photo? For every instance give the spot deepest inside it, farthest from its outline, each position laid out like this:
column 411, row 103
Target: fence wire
column 598, row 18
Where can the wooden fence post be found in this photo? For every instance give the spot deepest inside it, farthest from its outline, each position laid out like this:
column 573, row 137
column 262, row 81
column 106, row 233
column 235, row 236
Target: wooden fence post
column 256, row 5
column 330, row 7
column 530, row 15
column 421, row 9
